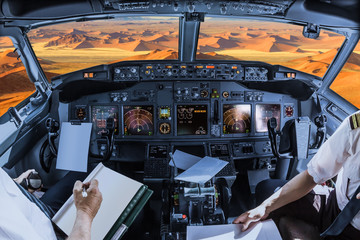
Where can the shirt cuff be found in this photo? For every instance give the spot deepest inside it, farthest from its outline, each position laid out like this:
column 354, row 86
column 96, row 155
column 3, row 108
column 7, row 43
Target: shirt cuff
column 313, row 173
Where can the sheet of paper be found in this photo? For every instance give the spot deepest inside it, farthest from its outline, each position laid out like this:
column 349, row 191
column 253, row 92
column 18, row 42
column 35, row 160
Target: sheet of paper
column 265, row 230
column 183, row 160
column 203, row 170
column 74, row 147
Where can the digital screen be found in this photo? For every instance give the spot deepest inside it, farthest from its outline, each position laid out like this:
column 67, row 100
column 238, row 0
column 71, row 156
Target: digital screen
column 236, row 118
column 99, row 115
column 192, row 120
column 138, row 120
column 263, row 112
column 164, row 113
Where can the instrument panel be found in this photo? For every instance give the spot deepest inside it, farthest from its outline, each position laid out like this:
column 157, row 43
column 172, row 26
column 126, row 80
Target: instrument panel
column 193, row 103
column 182, row 110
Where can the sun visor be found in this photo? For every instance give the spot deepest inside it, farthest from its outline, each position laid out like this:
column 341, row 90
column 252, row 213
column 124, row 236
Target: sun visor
column 45, row 8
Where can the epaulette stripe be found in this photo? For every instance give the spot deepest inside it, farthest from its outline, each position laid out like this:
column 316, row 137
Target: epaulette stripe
column 355, row 121
column 358, row 119
column 351, row 123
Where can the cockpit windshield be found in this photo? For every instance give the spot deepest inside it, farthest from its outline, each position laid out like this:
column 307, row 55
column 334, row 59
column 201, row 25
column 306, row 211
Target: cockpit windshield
column 68, row 47
column 270, row 42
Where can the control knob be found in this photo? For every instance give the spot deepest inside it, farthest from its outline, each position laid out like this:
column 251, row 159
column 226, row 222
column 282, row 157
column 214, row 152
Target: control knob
column 117, row 70
column 133, row 70
column 196, row 95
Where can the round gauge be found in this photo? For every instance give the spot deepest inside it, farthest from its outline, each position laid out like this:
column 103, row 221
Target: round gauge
column 164, row 128
column 204, row 93
column 225, row 94
column 138, row 121
column 80, row 113
column 237, row 120
column 289, row 111
column 200, row 131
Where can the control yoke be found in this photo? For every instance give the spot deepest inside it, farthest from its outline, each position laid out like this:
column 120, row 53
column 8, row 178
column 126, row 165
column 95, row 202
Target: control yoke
column 294, row 138
column 273, row 133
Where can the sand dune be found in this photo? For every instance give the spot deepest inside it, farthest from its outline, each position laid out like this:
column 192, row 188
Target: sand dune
column 77, row 39
column 347, row 85
column 156, row 54
column 12, row 99
column 318, row 64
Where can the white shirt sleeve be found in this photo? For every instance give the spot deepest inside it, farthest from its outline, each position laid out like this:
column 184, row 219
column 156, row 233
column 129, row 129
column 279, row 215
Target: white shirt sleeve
column 331, row 156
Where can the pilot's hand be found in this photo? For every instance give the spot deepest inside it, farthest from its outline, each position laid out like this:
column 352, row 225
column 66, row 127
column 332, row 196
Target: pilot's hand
column 254, row 215
column 358, row 196
column 90, row 204
column 23, row 176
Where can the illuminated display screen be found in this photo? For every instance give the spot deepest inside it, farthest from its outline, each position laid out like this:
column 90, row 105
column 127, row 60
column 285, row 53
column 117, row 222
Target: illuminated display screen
column 192, row 120
column 263, row 112
column 99, row 115
column 164, row 113
column 138, row 120
column 236, row 118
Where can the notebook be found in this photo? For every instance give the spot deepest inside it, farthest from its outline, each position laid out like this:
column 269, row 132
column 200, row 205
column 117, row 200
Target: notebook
column 123, row 199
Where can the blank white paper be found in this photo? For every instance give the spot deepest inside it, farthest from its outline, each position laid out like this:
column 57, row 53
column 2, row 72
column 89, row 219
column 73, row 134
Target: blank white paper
column 183, row 160
column 264, row 230
column 74, row 147
column 203, row 170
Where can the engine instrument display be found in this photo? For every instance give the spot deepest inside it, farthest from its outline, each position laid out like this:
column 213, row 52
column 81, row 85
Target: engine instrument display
column 138, row 120
column 236, row 118
column 263, row 112
column 164, row 113
column 191, row 120
column 99, row 115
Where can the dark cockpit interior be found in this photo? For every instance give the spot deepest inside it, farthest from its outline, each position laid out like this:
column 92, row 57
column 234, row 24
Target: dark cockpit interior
column 266, row 120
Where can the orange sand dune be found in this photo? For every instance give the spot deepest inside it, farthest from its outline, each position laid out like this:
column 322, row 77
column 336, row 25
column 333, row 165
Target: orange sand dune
column 12, row 99
column 9, row 57
column 140, row 45
column 156, row 54
column 319, row 63
column 347, row 85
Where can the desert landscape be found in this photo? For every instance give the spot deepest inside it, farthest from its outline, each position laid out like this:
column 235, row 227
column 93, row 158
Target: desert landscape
column 69, row 47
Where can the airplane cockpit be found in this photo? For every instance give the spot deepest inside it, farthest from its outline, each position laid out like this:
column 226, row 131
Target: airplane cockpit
column 260, row 85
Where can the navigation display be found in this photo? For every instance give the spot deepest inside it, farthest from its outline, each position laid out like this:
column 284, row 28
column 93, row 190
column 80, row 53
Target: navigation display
column 236, row 118
column 99, row 115
column 263, row 112
column 191, row 120
column 138, row 120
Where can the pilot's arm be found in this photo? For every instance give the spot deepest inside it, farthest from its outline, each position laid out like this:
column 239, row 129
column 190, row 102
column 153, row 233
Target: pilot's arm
column 324, row 165
column 86, row 209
